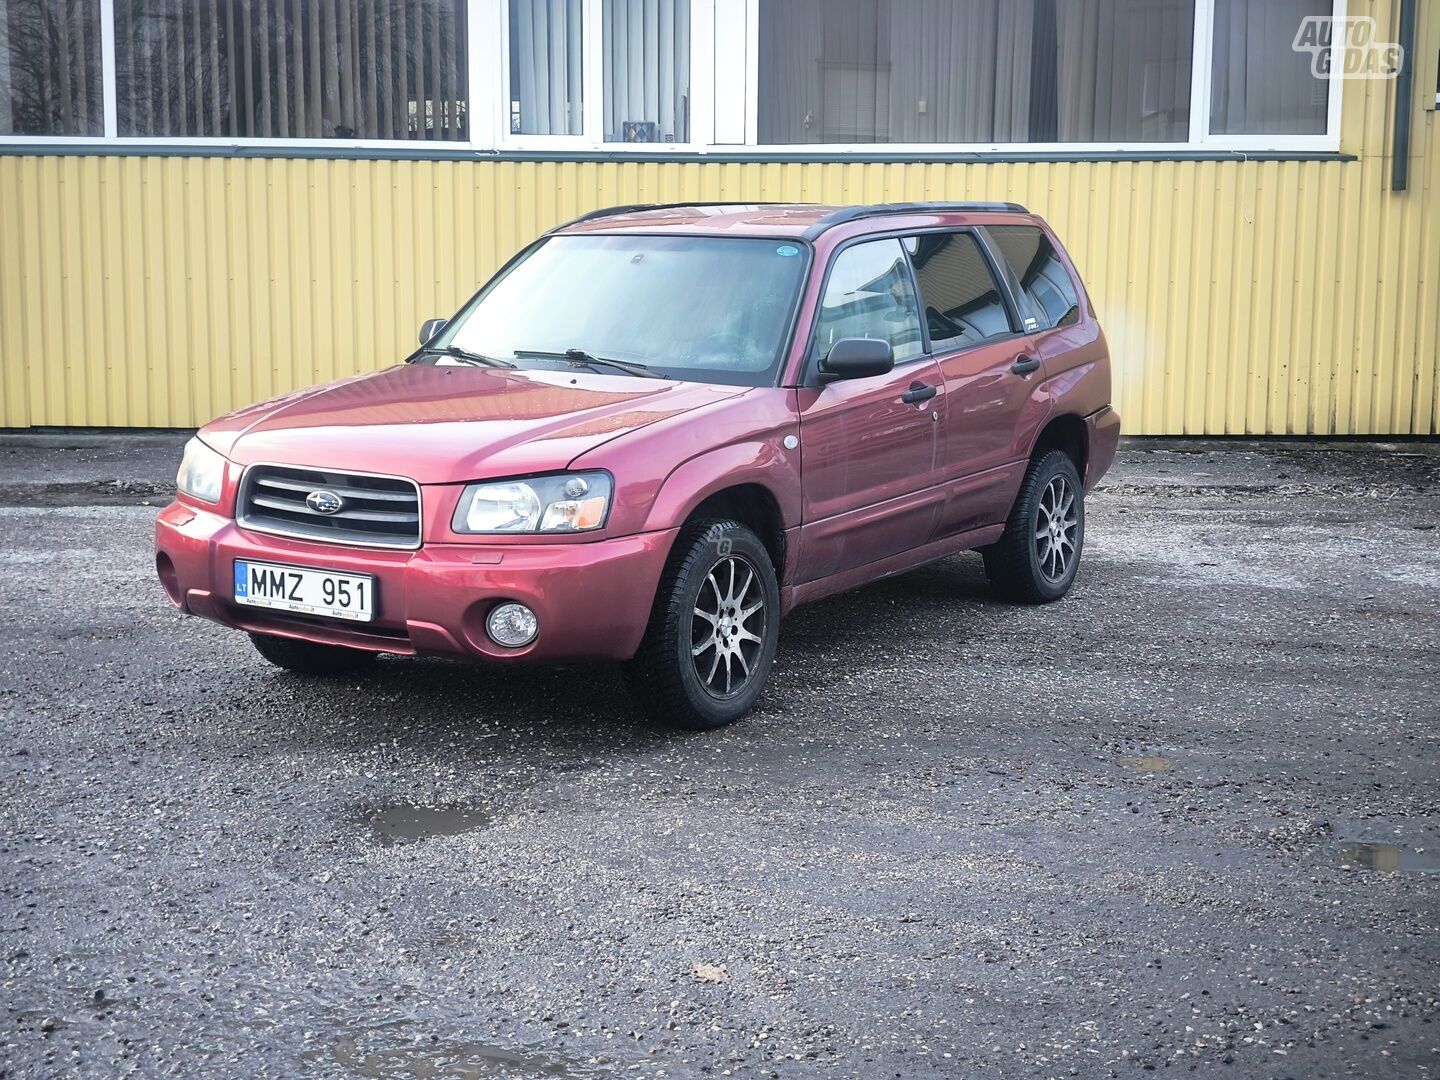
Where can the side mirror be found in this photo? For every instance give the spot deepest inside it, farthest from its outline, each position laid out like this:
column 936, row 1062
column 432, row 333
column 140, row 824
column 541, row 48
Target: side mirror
column 856, row 358
column 429, row 328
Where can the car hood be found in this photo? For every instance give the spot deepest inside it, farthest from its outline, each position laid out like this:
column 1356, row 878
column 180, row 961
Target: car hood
column 441, row 425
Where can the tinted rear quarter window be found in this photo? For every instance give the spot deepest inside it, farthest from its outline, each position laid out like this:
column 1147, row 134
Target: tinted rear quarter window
column 958, row 293
column 1042, row 275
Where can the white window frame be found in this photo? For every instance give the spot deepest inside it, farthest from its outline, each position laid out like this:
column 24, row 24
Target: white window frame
column 1200, row 139
column 478, row 83
column 592, row 65
column 724, row 83
column 1202, row 85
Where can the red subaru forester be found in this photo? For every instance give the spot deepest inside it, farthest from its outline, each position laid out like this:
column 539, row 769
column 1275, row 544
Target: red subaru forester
column 654, row 432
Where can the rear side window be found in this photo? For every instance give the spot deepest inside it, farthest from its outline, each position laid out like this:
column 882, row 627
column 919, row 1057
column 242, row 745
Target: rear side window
column 1042, row 275
column 868, row 295
column 959, row 296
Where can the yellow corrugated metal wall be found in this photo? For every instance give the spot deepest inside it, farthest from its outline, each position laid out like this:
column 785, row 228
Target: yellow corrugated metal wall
column 1239, row 297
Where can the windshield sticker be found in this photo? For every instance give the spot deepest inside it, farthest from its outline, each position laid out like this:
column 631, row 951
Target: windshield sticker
column 787, row 250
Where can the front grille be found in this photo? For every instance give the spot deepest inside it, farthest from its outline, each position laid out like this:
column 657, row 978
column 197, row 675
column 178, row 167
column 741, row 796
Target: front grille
column 375, row 511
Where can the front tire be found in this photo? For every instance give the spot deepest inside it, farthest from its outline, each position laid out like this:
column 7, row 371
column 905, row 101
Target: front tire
column 713, row 631
column 1035, row 559
column 308, row 658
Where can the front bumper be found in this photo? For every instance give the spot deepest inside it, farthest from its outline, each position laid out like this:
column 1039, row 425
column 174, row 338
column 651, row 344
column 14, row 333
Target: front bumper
column 592, row 599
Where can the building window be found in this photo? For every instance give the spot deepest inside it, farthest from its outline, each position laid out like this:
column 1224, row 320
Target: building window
column 546, row 67
column 827, row 75
column 291, row 69
column 988, row 71
column 1260, row 84
column 50, row 80
column 647, row 71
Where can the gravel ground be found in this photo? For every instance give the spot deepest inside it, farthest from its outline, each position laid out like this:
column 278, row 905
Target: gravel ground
column 1187, row 819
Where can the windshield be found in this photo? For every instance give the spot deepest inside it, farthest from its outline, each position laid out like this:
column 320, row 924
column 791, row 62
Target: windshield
column 707, row 309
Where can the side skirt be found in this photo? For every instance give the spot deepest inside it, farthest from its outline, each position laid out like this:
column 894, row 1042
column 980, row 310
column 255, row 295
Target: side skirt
column 792, row 596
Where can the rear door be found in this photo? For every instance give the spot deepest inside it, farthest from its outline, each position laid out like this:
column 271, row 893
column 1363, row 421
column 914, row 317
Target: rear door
column 868, row 446
column 990, row 373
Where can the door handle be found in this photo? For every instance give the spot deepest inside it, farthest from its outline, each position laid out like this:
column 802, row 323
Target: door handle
column 1025, row 365
column 917, row 393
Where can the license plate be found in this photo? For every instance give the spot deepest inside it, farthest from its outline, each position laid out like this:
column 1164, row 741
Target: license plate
column 305, row 591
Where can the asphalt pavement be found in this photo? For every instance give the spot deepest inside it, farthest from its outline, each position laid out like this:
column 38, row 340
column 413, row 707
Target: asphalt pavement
column 1186, row 820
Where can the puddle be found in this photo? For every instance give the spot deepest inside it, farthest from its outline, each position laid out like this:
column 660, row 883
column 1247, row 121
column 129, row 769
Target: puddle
column 451, row 1061
column 1150, row 763
column 1388, row 858
column 401, row 822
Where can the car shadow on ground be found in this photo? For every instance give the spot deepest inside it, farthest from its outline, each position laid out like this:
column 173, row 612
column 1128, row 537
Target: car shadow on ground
column 434, row 699
column 946, row 601
column 430, row 702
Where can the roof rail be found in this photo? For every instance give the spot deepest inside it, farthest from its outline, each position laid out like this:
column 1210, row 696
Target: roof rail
column 856, row 213
column 611, row 211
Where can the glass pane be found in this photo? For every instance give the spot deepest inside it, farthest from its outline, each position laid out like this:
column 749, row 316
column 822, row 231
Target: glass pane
column 291, row 69
column 1262, row 86
column 546, row 89
column 1043, row 277
column 50, row 68
column 868, row 295
column 974, row 71
column 647, row 71
column 711, row 309
column 961, row 300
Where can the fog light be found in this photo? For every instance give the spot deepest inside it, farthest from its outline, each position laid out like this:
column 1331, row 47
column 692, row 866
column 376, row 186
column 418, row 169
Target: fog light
column 512, row 625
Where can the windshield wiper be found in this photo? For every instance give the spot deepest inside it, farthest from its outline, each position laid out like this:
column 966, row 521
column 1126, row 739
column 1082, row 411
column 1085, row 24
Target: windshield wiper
column 581, row 358
column 457, row 353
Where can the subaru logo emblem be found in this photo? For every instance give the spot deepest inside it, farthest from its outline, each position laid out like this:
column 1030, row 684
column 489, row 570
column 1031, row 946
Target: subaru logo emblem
column 324, row 502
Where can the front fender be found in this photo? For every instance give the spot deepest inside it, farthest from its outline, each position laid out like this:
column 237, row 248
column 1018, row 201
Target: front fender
column 765, row 463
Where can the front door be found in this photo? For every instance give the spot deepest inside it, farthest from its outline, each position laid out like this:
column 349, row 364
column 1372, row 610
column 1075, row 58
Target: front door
column 868, row 446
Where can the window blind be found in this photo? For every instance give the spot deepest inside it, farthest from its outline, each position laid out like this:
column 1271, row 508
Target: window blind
column 1262, row 85
column 318, row 69
column 546, row 88
column 647, row 70
column 50, row 68
column 974, row 71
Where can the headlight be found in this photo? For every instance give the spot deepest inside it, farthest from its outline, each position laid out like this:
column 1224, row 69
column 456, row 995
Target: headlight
column 202, row 471
column 570, row 502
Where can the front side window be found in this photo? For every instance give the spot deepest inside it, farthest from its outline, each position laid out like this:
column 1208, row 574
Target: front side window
column 346, row 69
column 1043, row 279
column 50, row 68
column 962, row 303
column 710, row 309
column 868, row 295
column 985, row 71
column 1261, row 84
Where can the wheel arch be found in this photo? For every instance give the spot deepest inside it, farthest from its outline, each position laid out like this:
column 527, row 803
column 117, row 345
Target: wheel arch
column 753, row 505
column 1069, row 433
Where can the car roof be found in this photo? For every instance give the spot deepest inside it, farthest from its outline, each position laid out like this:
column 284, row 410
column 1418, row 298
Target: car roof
column 802, row 220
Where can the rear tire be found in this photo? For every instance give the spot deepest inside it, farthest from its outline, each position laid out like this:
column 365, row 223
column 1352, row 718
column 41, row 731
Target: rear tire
column 713, row 631
column 1035, row 559
column 308, row 658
